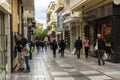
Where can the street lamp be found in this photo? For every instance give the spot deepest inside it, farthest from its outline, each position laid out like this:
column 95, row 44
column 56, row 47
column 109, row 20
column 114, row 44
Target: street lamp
column 116, row 2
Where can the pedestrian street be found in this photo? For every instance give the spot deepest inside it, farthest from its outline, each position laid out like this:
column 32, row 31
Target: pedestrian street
column 45, row 67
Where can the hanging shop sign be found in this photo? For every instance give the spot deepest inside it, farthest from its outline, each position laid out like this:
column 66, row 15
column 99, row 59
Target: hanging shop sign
column 116, row 2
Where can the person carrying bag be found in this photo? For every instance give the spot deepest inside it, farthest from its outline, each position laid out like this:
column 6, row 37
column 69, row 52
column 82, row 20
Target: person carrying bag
column 101, row 49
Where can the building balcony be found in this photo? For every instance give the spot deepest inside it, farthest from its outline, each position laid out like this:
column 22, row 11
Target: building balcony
column 5, row 6
column 72, row 17
column 59, row 5
column 28, row 4
column 49, row 24
column 66, row 13
column 53, row 19
column 51, row 7
column 6, row 1
column 80, row 5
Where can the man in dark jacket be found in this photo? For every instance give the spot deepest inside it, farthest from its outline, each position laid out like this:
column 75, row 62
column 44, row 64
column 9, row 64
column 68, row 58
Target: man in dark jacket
column 62, row 47
column 101, row 49
column 78, row 46
column 54, row 47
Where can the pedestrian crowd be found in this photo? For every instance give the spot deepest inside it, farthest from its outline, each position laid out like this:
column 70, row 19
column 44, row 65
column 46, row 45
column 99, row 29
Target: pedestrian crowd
column 25, row 49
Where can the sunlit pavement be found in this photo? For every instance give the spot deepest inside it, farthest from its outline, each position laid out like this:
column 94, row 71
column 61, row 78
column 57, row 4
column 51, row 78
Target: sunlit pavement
column 45, row 67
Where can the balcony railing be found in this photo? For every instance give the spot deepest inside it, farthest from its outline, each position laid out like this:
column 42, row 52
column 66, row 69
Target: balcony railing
column 51, row 7
column 6, row 4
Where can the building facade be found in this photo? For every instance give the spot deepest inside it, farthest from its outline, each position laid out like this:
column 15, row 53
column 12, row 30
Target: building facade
column 101, row 17
column 5, row 42
column 51, row 21
column 22, row 24
column 70, row 24
column 59, row 10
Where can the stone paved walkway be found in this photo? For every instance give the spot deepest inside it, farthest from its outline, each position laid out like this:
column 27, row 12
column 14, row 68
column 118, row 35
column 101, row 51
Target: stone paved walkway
column 45, row 67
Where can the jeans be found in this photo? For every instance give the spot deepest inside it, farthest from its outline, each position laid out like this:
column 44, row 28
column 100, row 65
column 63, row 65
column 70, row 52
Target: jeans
column 27, row 62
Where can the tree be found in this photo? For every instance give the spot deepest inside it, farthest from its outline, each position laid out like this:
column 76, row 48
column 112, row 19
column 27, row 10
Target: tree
column 41, row 33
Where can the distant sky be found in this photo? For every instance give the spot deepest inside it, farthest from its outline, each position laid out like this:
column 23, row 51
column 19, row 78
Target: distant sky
column 41, row 9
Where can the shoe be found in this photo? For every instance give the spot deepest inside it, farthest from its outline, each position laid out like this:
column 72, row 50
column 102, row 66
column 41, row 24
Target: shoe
column 99, row 64
column 103, row 63
column 27, row 71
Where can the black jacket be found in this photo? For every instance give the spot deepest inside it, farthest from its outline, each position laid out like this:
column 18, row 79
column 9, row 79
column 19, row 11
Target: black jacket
column 54, row 46
column 101, row 44
column 62, row 45
column 78, row 43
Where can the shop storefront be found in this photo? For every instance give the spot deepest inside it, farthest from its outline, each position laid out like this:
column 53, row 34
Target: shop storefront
column 104, row 20
column 73, row 34
column 67, row 39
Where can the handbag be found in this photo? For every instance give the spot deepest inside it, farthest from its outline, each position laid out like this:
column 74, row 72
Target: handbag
column 105, row 56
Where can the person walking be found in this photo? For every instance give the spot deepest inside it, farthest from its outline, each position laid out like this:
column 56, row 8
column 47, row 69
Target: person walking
column 100, row 43
column 42, row 45
column 86, row 46
column 26, row 50
column 59, row 50
column 31, row 47
column 38, row 45
column 62, row 47
column 78, row 46
column 46, row 45
column 19, row 47
column 54, row 47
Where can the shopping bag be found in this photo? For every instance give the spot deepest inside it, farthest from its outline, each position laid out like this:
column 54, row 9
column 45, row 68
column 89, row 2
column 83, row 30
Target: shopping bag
column 74, row 51
column 105, row 56
column 96, row 47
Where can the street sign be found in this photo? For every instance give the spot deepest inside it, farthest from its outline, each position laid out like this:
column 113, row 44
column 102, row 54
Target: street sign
column 116, row 2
